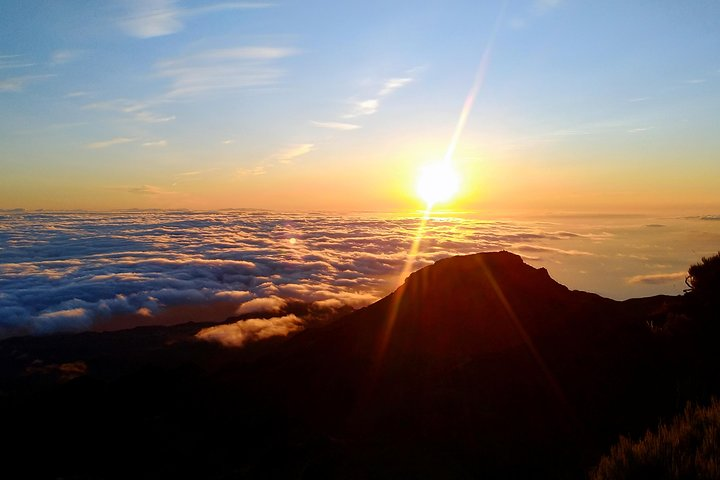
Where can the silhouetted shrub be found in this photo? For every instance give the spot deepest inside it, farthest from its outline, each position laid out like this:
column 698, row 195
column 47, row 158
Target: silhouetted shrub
column 704, row 278
column 702, row 299
column 688, row 448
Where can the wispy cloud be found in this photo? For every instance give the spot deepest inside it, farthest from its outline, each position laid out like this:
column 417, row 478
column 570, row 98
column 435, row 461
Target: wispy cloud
column 145, row 189
column 393, row 84
column 219, row 7
column 363, row 107
column 156, row 18
column 542, row 248
column 238, row 53
column 371, row 105
column 155, row 143
column 224, row 69
column 336, row 125
column 639, row 129
column 77, row 94
column 136, row 109
column 288, row 154
column 14, row 84
column 64, row 56
column 109, row 143
column 658, row 278
column 189, row 176
column 14, row 61
column 150, row 117
column 18, row 84
column 148, row 190
column 259, row 170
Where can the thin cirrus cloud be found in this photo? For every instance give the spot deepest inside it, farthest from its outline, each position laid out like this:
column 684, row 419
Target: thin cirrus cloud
column 254, row 171
column 147, row 190
column 135, row 109
column 77, row 94
column 150, row 117
column 156, row 18
column 658, row 278
column 393, row 84
column 336, row 125
column 287, row 155
column 61, row 57
column 363, row 107
column 370, row 106
column 224, row 69
column 109, row 143
column 74, row 271
column 14, row 61
column 18, row 84
column 155, row 143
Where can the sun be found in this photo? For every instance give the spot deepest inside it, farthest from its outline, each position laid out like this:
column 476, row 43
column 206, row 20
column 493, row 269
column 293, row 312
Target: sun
column 437, row 183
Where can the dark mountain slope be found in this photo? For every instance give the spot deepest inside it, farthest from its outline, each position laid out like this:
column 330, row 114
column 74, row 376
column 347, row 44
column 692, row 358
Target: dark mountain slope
column 477, row 344
column 478, row 366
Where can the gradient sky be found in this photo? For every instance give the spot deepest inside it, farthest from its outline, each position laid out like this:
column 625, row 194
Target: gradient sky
column 583, row 106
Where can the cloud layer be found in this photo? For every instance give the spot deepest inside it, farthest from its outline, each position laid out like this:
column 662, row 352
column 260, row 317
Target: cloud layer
column 75, row 271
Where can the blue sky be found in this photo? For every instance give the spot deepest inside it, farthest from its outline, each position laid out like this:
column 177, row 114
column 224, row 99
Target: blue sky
column 321, row 105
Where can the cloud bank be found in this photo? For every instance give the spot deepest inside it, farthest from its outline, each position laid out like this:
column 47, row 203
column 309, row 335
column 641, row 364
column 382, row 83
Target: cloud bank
column 239, row 333
column 75, row 271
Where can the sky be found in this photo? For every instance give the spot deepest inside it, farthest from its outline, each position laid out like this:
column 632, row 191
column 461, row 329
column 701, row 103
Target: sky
column 323, row 105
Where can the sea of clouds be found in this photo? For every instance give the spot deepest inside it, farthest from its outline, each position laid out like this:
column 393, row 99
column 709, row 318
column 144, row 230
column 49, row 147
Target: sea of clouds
column 73, row 271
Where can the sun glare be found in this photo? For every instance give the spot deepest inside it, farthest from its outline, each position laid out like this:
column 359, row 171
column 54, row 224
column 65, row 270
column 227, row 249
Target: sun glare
column 437, row 183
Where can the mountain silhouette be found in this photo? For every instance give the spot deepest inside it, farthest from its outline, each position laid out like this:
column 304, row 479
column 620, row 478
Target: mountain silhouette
column 474, row 344
column 477, row 366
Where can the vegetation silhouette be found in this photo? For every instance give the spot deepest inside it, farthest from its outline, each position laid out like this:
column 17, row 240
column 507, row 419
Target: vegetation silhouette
column 703, row 294
column 491, row 369
column 689, row 445
column 686, row 448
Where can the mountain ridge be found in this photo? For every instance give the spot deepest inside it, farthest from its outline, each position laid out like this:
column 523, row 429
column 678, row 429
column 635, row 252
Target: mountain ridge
column 478, row 365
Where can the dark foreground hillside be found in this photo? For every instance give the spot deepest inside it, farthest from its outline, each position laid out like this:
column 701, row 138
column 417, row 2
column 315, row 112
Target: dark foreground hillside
column 477, row 367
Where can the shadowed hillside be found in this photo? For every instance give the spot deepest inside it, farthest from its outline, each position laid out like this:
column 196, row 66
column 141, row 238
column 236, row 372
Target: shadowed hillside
column 477, row 366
